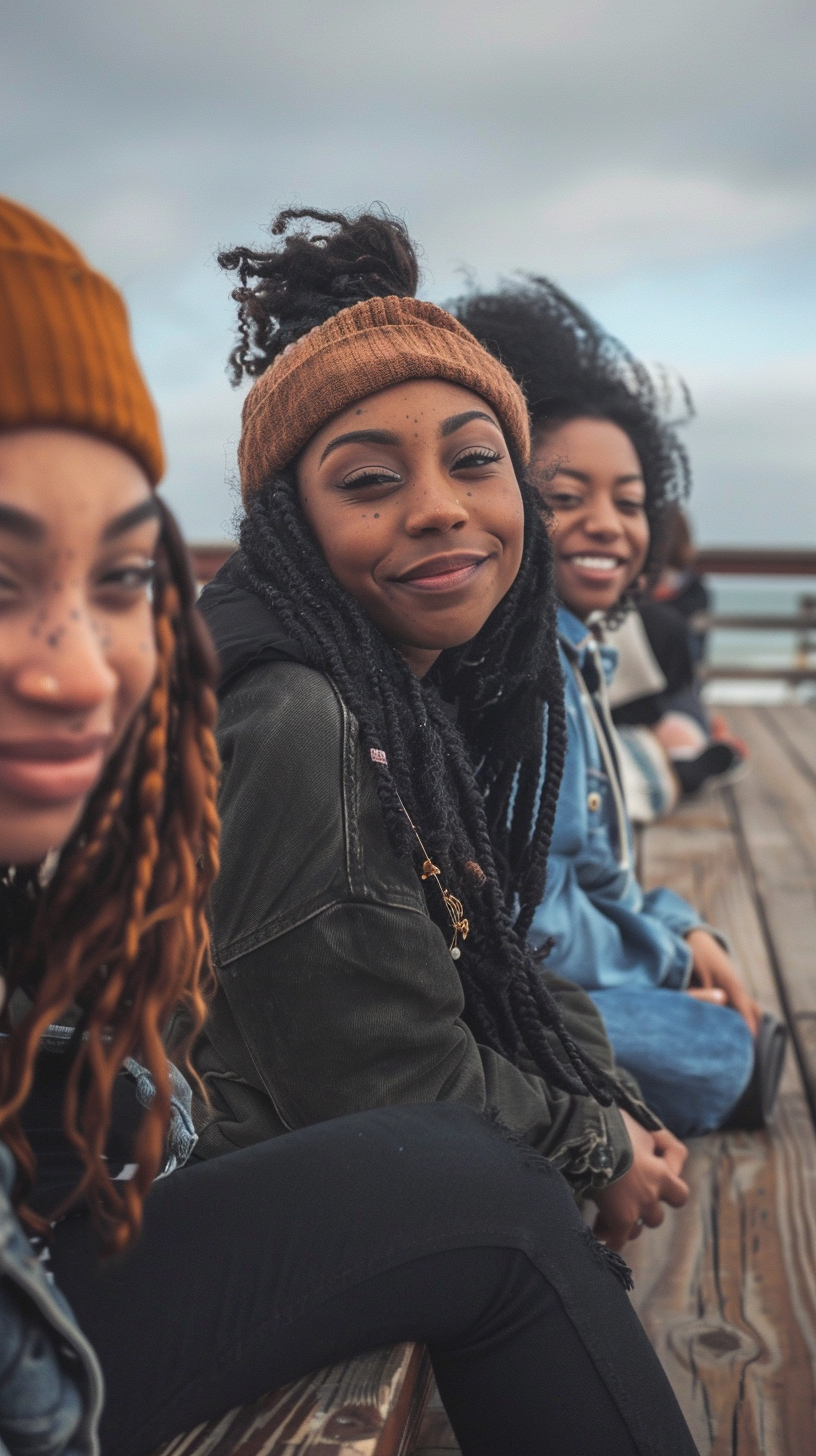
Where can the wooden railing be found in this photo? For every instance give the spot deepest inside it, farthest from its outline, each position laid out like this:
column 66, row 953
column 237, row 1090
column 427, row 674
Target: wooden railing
column 717, row 560
column 756, row 561
column 711, row 560
column 208, row 557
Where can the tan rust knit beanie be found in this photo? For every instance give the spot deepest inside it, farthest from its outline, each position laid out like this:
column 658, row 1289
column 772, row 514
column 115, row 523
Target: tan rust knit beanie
column 363, row 349
column 66, row 356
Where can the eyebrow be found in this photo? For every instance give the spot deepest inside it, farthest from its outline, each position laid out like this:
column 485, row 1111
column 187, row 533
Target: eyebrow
column 360, row 437
column 455, row 422
column 32, row 530
column 21, row 524
column 145, row 511
column 633, row 479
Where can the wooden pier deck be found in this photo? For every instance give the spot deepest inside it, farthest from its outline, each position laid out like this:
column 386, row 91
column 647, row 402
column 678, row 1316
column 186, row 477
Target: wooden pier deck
column 727, row 1287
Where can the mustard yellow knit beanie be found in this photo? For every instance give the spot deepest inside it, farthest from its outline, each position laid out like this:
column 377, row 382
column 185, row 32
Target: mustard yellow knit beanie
column 362, row 349
column 66, row 356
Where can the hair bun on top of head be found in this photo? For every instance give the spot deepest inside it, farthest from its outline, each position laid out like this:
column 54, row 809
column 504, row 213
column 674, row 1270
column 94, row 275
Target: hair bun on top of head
column 345, row 301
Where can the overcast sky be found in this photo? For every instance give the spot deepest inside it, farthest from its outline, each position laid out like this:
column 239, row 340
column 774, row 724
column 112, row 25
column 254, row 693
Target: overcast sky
column 656, row 157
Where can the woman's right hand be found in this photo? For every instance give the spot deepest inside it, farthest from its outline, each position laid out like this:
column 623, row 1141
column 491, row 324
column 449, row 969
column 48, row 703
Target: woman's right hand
column 654, row 1178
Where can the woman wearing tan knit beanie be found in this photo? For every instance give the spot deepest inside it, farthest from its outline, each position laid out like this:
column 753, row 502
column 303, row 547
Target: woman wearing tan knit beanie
column 386, row 675
column 238, row 1274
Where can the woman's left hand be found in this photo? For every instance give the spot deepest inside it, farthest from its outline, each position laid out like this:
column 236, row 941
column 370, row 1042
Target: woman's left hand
column 714, row 971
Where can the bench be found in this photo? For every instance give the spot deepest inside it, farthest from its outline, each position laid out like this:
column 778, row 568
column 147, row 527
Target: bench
column 369, row 1406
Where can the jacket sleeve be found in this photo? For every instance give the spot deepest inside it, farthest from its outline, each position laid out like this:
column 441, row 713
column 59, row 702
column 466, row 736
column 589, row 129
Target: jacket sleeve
column 604, row 930
column 677, row 915
column 48, row 1403
column 341, row 987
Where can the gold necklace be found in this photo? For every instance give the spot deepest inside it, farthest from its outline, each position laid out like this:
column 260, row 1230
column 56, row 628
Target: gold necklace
column 430, row 871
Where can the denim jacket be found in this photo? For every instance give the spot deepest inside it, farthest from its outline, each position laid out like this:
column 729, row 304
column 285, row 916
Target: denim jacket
column 51, row 1388
column 606, row 931
column 50, row 1381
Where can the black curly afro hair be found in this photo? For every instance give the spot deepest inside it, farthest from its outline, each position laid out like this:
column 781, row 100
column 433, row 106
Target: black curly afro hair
column 570, row 368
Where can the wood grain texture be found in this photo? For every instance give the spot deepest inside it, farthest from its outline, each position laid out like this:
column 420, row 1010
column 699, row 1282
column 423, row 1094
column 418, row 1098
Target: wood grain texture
column 726, row 1291
column 370, row 1406
column 775, row 815
column 727, row 1287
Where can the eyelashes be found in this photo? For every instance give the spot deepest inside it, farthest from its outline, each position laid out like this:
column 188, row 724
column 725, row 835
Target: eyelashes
column 131, row 578
column 470, row 458
column 368, row 475
column 476, row 455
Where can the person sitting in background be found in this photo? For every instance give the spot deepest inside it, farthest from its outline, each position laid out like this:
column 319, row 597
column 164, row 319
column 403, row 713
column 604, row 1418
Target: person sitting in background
column 238, row 1275
column 655, row 686
column 679, row 585
column 608, row 468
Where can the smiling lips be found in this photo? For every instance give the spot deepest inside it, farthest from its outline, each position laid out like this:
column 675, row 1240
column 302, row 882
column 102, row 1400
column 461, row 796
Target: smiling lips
column 443, row 573
column 595, row 566
column 52, row 770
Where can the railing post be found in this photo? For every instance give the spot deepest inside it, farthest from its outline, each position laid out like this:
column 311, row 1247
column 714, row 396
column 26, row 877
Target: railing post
column 805, row 646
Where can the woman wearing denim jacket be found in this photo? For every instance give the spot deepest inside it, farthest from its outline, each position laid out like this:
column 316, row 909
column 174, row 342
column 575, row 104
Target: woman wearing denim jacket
column 692, row 1058
column 240, row 1274
column 608, row 467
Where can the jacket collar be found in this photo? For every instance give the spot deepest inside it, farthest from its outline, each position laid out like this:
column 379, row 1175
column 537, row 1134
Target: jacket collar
column 581, row 645
column 245, row 630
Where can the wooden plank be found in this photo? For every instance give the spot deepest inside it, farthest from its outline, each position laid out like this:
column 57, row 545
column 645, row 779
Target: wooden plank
column 733, row 672
column 775, row 814
column 726, row 1288
column 207, row 559
column 370, row 1406
column 755, row 561
column 724, row 560
column 796, row 728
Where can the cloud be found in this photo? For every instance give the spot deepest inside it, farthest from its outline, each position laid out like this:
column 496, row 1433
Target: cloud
column 753, row 449
column 624, row 148
column 623, row 219
column 610, row 223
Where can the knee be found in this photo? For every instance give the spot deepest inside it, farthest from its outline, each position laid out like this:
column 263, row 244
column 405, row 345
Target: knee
column 716, row 1069
column 466, row 1163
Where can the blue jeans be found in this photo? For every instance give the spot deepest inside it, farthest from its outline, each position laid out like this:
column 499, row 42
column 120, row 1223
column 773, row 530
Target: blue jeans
column 692, row 1060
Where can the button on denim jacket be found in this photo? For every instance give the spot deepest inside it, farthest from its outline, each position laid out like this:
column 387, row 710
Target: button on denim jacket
column 606, row 931
column 50, row 1382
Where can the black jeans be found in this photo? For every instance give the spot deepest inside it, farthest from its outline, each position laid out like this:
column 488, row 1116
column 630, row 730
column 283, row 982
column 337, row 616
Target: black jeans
column 421, row 1223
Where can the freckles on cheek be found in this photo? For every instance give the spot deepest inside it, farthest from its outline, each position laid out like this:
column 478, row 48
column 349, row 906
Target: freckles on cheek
column 103, row 634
